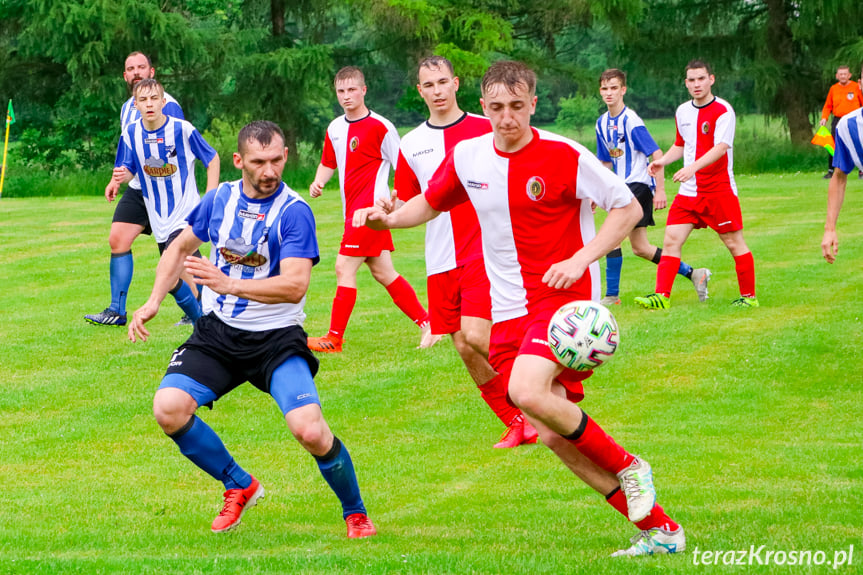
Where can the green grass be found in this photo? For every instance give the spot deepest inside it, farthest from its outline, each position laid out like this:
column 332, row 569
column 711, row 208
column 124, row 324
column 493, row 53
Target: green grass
column 751, row 419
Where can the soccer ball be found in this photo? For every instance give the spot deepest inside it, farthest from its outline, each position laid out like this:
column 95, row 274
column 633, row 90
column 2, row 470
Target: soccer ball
column 583, row 335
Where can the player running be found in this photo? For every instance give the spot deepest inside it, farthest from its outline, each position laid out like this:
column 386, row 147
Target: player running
column 459, row 300
column 708, row 193
column 623, row 145
column 161, row 151
column 849, row 153
column 527, row 186
column 130, row 215
column 254, row 289
column 362, row 146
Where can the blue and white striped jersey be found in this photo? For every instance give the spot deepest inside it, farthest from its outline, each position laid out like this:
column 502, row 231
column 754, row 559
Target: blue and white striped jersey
column 849, row 142
column 130, row 114
column 164, row 161
column 624, row 141
column 249, row 240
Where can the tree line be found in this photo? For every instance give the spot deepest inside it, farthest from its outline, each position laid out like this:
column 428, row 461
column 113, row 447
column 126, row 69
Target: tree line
column 229, row 62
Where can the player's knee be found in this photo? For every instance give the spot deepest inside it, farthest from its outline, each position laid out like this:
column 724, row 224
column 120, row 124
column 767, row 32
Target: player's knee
column 171, row 410
column 120, row 241
column 645, row 252
column 313, row 438
column 525, row 398
column 477, row 339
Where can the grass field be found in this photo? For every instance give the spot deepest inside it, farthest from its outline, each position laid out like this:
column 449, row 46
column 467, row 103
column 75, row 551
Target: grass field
column 751, row 419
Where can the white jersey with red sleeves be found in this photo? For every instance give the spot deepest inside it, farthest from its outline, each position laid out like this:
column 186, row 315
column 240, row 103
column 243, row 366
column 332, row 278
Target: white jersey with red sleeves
column 452, row 238
column 698, row 130
column 533, row 207
column 363, row 151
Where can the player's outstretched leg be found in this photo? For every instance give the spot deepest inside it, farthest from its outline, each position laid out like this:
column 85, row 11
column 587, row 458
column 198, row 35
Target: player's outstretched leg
column 613, row 266
column 698, row 276
column 343, row 307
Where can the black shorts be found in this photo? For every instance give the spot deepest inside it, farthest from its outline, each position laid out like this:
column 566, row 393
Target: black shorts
column 132, row 210
column 171, row 237
column 644, row 195
column 222, row 357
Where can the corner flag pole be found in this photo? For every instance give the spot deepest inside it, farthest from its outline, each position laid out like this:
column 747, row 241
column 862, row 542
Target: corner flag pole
column 10, row 119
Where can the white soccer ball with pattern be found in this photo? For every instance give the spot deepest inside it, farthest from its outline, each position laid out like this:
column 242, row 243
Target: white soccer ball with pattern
column 583, row 335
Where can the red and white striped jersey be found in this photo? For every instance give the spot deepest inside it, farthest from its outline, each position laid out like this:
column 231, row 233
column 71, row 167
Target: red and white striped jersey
column 533, row 207
column 452, row 238
column 699, row 130
column 363, row 151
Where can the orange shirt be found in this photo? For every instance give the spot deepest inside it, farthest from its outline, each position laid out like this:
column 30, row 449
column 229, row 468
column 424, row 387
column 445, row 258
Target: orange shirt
column 842, row 100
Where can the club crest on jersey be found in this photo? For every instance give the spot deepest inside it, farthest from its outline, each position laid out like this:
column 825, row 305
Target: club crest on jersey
column 238, row 252
column 354, row 144
column 246, row 214
column 159, row 168
column 705, row 128
column 850, row 95
column 535, row 188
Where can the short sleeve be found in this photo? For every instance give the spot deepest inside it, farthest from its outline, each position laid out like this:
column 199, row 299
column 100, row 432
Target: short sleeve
column 297, row 232
column 328, row 154
column 445, row 190
column 643, row 141
column 406, row 182
column 199, row 217
column 725, row 125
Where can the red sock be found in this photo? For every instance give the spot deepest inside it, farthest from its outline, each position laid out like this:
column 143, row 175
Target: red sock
column 657, row 517
column 406, row 299
column 494, row 393
column 665, row 273
column 343, row 305
column 599, row 447
column 744, row 265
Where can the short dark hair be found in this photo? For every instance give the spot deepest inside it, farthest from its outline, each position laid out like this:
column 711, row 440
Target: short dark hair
column 697, row 64
column 350, row 73
column 148, row 84
column 843, row 67
column 261, row 131
column 436, row 62
column 149, row 63
column 612, row 73
column 509, row 73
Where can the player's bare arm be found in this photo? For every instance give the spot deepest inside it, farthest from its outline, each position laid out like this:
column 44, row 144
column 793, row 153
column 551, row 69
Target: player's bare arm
column 835, row 198
column 167, row 273
column 660, row 201
column 673, row 154
column 708, row 158
column 415, row 212
column 288, row 287
column 617, row 225
column 322, row 176
column 213, row 173
column 119, row 177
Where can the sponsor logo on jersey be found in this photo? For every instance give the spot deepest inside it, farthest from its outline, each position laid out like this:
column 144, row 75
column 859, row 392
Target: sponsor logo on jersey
column 355, row 142
column 238, row 252
column 158, row 168
column 252, row 215
column 154, row 141
column 477, row 185
column 535, row 188
column 705, row 128
column 537, row 340
column 615, row 152
column 421, row 152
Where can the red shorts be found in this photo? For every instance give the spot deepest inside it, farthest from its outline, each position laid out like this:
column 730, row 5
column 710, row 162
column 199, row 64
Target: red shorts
column 528, row 335
column 463, row 291
column 365, row 242
column 720, row 211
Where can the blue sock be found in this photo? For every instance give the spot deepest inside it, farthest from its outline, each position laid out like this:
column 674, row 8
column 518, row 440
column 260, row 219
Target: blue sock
column 338, row 469
column 187, row 301
column 613, row 264
column 121, row 269
column 685, row 269
column 202, row 446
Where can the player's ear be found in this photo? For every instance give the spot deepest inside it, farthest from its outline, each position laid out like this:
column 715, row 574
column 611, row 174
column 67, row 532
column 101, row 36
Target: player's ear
column 238, row 160
column 455, row 81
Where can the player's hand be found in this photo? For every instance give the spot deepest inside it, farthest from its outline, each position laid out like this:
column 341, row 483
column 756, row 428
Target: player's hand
column 119, row 175
column 111, row 190
column 659, row 200
column 683, row 174
column 316, row 189
column 388, row 204
column 830, row 246
column 141, row 316
column 823, row 122
column 563, row 274
column 205, row 273
column 592, row 207
column 374, row 217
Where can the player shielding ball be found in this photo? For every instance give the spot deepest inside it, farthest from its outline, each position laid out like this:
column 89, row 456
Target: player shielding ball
column 516, row 179
column 459, row 299
column 254, row 289
column 362, row 146
column 161, row 151
column 708, row 193
column 624, row 145
column 849, row 153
